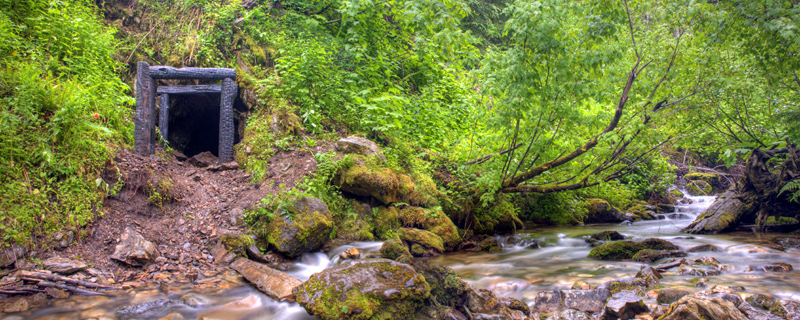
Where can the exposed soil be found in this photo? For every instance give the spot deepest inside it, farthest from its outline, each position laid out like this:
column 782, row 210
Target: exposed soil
column 200, row 206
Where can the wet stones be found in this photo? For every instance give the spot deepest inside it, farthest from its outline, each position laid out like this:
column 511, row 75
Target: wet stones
column 63, row 265
column 778, row 267
column 623, row 305
column 694, row 308
column 272, row 282
column 552, row 302
column 148, row 310
column 133, row 249
column 786, row 309
column 760, row 301
column 350, row 254
column 650, row 255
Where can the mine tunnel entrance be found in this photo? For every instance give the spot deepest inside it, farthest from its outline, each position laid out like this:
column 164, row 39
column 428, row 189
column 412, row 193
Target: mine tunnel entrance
column 194, row 123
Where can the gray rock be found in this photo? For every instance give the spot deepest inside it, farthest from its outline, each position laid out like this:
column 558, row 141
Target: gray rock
column 670, row 295
column 63, row 265
column 64, row 239
column 760, row 301
column 358, row 145
column 704, row 248
column 571, row 314
column 9, row 255
column 235, row 216
column 786, row 309
column 203, row 159
column 273, row 283
column 193, row 300
column 722, row 215
column 694, row 308
column 755, row 314
column 624, row 305
column 133, row 249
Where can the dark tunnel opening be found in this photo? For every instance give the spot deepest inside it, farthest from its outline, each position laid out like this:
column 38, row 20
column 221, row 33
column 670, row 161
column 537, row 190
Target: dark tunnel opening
column 194, row 123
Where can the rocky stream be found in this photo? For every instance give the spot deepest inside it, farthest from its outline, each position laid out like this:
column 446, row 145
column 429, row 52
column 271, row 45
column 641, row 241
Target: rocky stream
column 548, row 269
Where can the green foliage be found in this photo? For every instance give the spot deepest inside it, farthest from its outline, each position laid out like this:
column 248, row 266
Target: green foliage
column 62, row 114
column 792, row 189
column 319, row 184
column 562, row 208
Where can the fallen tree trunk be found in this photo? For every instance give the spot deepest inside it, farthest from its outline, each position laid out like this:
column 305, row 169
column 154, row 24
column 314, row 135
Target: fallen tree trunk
column 756, row 196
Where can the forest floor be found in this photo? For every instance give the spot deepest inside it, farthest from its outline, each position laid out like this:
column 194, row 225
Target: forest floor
column 206, row 204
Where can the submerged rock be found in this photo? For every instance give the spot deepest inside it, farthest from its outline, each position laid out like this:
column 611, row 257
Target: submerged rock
column 704, row 248
column 149, row 310
column 304, row 226
column 364, row 289
column 552, row 302
column 623, row 250
column 650, row 255
column 63, row 265
column 133, row 249
column 722, row 215
column 274, row 283
column 607, row 236
column 600, row 211
column 778, row 267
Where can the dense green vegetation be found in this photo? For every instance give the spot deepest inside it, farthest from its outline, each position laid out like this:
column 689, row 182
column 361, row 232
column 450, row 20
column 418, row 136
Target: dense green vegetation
column 518, row 108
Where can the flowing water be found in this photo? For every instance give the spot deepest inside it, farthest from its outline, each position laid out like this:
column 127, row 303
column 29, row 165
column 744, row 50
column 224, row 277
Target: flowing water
column 516, row 272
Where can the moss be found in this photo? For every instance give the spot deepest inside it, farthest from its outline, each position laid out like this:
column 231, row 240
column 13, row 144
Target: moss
column 364, row 289
column 394, row 249
column 710, row 177
column 433, row 220
column 676, row 193
column 490, row 245
column 447, row 288
column 367, row 177
column 356, row 230
column 651, row 255
column 308, row 228
column 385, row 222
column 418, row 251
column 424, row 238
column 699, row 188
column 623, row 250
column 236, row 243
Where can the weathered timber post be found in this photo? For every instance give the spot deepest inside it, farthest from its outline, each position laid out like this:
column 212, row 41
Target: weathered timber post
column 229, row 89
column 163, row 117
column 151, row 107
column 141, row 133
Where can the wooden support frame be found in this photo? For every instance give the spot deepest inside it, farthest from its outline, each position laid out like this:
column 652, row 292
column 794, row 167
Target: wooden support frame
column 145, row 119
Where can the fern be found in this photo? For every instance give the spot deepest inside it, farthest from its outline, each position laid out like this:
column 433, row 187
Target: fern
column 793, row 187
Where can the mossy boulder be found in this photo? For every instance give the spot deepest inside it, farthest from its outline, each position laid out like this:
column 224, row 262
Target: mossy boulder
column 433, row 220
column 304, row 226
column 699, row 188
column 385, row 221
column 677, row 194
column 624, row 250
column 600, row 211
column 431, row 243
column 446, row 286
column 710, row 177
column 723, row 214
column 364, row 289
column 650, row 255
column 395, row 249
column 355, row 229
column 368, row 178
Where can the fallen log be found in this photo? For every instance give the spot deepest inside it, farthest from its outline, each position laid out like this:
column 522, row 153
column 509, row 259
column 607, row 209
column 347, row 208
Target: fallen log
column 38, row 276
column 43, row 283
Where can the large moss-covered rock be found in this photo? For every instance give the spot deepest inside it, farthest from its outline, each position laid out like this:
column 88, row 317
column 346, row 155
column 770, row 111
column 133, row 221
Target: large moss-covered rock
column 723, row 214
column 624, row 250
column 433, row 220
column 305, row 227
column 369, row 179
column 600, row 211
column 395, row 249
column 710, row 177
column 364, row 289
column 699, row 188
column 431, row 243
